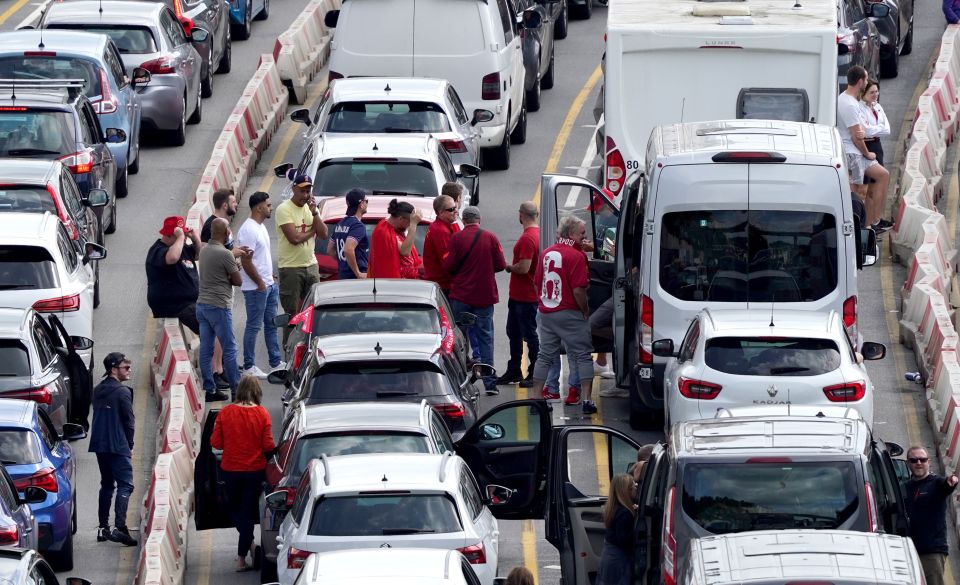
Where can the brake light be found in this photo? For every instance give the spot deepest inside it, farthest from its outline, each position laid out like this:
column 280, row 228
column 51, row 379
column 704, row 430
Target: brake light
column 62, row 214
column 871, row 508
column 42, row 395
column 668, row 547
column 79, row 163
column 698, row 389
column 850, row 317
column 490, row 87
column 161, row 65
column 474, row 554
column 291, row 494
column 46, row 479
column 616, row 168
column 296, row 558
column 39, row 53
column 846, row 392
column 769, row 460
column 107, row 104
column 454, row 146
column 185, row 21
column 12, row 109
column 749, row 157
column 646, row 330
column 450, row 410
column 58, row 305
column 446, row 329
column 333, row 75
column 298, row 353
column 9, row 535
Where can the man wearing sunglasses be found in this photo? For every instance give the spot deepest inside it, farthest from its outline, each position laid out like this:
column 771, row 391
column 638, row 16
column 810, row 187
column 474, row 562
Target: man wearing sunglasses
column 926, row 502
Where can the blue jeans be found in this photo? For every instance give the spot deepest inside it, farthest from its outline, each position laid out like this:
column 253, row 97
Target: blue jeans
column 261, row 309
column 522, row 326
column 553, row 376
column 482, row 332
column 217, row 322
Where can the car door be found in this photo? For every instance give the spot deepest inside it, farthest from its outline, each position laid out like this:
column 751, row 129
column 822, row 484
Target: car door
column 469, row 133
column 211, row 509
column 650, row 508
column 79, row 381
column 104, row 169
column 129, row 100
column 186, row 59
column 626, row 283
column 20, row 511
column 577, row 493
column 84, row 216
column 897, row 521
column 509, row 446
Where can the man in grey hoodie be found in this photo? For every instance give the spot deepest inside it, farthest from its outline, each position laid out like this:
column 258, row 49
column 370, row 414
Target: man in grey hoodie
column 111, row 438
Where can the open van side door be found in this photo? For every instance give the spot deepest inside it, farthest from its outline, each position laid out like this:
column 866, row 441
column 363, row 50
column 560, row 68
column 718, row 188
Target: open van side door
column 563, row 195
column 211, row 509
column 626, row 284
column 577, row 493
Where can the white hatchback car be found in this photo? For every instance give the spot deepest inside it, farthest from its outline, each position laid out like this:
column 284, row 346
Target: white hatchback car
column 41, row 267
column 736, row 358
column 388, row 566
column 395, row 500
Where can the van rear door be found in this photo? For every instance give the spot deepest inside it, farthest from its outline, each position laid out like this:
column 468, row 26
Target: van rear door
column 450, row 42
column 386, row 53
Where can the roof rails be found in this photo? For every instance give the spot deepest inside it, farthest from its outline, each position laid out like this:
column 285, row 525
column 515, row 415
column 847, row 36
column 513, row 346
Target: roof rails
column 447, row 456
column 424, row 405
column 73, row 86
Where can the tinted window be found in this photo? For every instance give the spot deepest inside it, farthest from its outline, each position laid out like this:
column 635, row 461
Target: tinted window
column 772, row 356
column 26, row 267
column 44, row 134
column 375, row 319
column 335, row 178
column 385, row 515
column 14, row 358
column 47, row 432
column 471, row 494
column 18, row 447
column 362, row 117
column 42, row 345
column 29, row 67
column 506, row 18
column 441, row 435
column 738, row 497
column 66, row 249
column 690, row 340
column 352, row 443
column 128, row 39
column 8, row 492
column 458, row 108
column 387, row 380
column 29, row 199
column 756, row 256
column 71, row 195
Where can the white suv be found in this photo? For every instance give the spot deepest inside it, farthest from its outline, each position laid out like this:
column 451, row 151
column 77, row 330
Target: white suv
column 388, row 501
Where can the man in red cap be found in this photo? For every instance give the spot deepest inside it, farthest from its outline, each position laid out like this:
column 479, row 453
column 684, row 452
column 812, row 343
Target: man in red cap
column 172, row 285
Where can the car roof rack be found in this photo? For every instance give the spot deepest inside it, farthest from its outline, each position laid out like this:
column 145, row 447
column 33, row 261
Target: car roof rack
column 73, row 86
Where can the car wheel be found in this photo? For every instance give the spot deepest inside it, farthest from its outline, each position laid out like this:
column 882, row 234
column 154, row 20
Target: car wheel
column 226, row 60
column 61, row 560
column 206, row 85
column 583, row 11
column 178, row 137
column 265, row 13
column 519, row 134
column 498, row 158
column 198, row 113
column 134, row 167
column 546, row 82
column 560, row 26
column 532, row 101
column 242, row 31
column 268, row 570
column 890, row 67
column 908, row 42
column 121, row 182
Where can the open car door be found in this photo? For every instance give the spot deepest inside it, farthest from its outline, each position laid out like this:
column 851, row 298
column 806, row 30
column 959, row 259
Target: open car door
column 651, row 496
column 895, row 520
column 576, row 494
column 81, row 382
column 211, row 509
column 509, row 446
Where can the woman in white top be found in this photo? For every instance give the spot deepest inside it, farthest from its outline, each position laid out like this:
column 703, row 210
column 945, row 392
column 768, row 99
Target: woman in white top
column 875, row 123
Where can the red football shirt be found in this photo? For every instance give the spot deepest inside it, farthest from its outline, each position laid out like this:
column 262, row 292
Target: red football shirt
column 384, row 259
column 435, row 248
column 562, row 268
column 522, row 287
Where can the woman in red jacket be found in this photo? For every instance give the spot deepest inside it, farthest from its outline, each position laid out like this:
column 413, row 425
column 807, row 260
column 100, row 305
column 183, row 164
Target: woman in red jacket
column 243, row 432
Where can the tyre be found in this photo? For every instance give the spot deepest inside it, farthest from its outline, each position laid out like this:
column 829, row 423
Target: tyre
column 560, row 26
column 226, row 60
column 242, row 31
column 198, row 113
column 112, row 226
column 583, row 11
column 519, row 134
column 61, row 560
column 265, row 13
column 498, row 158
column 890, row 67
column 533, row 100
column 546, row 82
column 73, row 518
column 134, row 167
column 206, row 85
column 268, row 570
column 120, row 184
column 908, row 42
column 178, row 136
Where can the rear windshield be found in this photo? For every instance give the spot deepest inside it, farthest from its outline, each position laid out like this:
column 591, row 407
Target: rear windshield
column 350, row 382
column 18, row 447
column 23, row 267
column 335, row 178
column 741, row 497
column 768, row 356
column 393, row 514
column 748, row 256
column 360, row 117
column 129, row 39
column 26, row 199
column 28, row 67
column 44, row 134
column 355, row 442
column 375, row 319
column 14, row 359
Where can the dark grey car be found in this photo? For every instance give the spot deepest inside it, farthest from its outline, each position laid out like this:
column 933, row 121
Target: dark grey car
column 896, row 34
column 536, row 34
column 858, row 41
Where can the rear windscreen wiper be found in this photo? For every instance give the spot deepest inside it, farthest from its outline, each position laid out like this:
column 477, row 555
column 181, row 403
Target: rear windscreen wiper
column 16, row 286
column 396, row 531
column 389, row 192
column 787, row 370
column 389, row 393
column 29, row 151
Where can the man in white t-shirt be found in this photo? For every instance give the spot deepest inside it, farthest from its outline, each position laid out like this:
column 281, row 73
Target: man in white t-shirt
column 261, row 293
column 860, row 161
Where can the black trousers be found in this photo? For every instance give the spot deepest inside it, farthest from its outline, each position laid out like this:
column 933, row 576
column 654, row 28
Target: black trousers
column 115, row 470
column 243, row 496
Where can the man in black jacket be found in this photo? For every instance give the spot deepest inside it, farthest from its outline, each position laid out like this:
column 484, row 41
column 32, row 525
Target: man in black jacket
column 926, row 495
column 111, row 438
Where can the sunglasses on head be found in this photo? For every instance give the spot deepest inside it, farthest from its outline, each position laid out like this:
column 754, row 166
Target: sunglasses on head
column 918, row 459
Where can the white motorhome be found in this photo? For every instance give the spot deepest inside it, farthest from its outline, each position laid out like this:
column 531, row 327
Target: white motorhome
column 695, row 60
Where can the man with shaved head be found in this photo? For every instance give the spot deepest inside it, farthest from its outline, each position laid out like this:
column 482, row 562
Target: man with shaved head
column 219, row 273
column 522, row 303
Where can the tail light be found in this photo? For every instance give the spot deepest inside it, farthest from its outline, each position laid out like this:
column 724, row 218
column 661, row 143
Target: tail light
column 304, row 319
column 616, row 167
column 160, row 65
column 42, row 395
column 9, row 535
column 446, row 329
column 474, row 554
column 871, row 508
column 296, row 558
column 291, row 494
column 62, row 214
column 333, row 75
column 46, row 478
column 646, row 330
column 298, row 353
column 850, row 318
column 107, row 104
column 58, row 305
column 490, row 87
column 454, row 146
column 450, row 410
column 185, row 21
column 79, row 163
column 846, row 392
column 668, row 546
column 698, row 389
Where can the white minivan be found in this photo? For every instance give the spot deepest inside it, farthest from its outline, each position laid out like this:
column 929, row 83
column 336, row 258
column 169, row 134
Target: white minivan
column 474, row 44
column 739, row 214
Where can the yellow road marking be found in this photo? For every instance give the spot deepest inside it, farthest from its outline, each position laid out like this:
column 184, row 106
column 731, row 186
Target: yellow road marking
column 12, row 10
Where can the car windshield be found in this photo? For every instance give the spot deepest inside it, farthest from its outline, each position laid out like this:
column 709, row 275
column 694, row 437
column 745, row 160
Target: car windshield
column 374, row 515
column 45, row 134
column 772, row 356
column 377, row 177
column 371, row 380
column 128, row 38
column 741, row 497
column 350, row 443
column 375, row 318
column 23, row 267
column 26, row 199
column 14, row 359
column 365, row 117
column 50, row 66
column 18, row 447
column 748, row 256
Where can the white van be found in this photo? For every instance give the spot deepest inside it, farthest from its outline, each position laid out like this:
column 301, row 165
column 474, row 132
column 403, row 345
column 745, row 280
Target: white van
column 740, row 214
column 474, row 44
column 694, row 60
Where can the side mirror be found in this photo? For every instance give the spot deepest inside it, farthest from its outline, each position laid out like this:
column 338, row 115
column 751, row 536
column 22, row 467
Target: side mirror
column 34, row 495
column 302, row 115
column 96, row 198
column 281, row 170
column 72, row 432
column 466, row 319
column 277, row 501
column 77, row 581
column 482, row 371
column 498, row 495
column 279, row 377
column 115, row 135
column 82, row 343
column 842, row 49
column 140, row 76
column 873, row 351
column 95, row 251
column 879, row 10
column 481, row 116
column 894, row 449
column 491, row 432
column 868, row 247
column 531, row 19
column 469, row 171
column 199, row 35
column 281, row 320
column 663, row 348
column 330, row 18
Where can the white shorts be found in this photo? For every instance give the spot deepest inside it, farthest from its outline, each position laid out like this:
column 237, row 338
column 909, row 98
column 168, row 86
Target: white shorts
column 857, row 166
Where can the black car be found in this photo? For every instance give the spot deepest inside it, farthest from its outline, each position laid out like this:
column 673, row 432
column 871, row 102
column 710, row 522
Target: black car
column 53, row 120
column 896, row 34
column 536, row 34
column 858, row 42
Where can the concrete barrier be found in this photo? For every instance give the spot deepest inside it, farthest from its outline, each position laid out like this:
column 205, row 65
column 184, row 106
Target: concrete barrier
column 303, row 49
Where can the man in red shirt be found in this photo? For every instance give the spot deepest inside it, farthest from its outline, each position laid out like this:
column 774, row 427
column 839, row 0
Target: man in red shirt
column 522, row 304
column 436, row 243
column 475, row 257
column 562, row 279
column 392, row 254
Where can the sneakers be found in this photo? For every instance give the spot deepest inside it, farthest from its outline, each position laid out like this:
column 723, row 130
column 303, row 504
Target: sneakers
column 528, row 381
column 884, row 223
column 122, row 535
column 221, row 382
column 573, row 396
column 103, row 534
column 278, row 368
column 614, row 392
column 549, row 394
column 510, row 377
column 492, row 391
column 215, row 396
column 879, row 228
column 604, row 372
column 255, row 372
column 589, row 407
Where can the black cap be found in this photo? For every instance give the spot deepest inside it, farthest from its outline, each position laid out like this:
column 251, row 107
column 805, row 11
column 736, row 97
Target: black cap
column 113, row 360
column 354, row 198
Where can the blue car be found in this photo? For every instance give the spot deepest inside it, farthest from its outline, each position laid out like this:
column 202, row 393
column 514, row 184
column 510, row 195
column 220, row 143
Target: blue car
column 35, row 455
column 94, row 59
column 242, row 15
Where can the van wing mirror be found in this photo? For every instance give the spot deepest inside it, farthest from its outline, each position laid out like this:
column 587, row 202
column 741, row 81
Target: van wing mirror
column 868, row 247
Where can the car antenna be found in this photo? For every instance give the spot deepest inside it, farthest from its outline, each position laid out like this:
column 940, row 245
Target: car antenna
column 771, row 313
column 387, row 88
column 40, row 45
column 377, row 348
column 375, row 147
column 374, row 288
column 101, row 8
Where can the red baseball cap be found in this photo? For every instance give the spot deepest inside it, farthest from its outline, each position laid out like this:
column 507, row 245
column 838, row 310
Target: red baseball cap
column 170, row 225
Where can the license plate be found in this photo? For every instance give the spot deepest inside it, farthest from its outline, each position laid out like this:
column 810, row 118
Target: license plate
column 646, row 373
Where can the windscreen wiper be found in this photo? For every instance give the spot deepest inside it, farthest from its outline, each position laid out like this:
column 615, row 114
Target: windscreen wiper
column 16, row 286
column 390, row 393
column 399, row 531
column 787, row 370
column 390, row 192
column 29, row 151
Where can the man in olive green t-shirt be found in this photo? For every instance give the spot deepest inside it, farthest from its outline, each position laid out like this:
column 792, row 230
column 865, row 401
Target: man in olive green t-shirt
column 298, row 225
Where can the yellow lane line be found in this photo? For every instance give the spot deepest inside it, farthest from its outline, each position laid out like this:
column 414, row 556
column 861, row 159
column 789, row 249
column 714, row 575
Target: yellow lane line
column 12, row 10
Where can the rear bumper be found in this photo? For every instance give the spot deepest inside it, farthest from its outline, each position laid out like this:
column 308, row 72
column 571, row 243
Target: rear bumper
column 492, row 136
column 161, row 103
